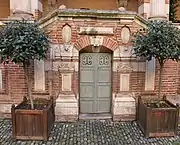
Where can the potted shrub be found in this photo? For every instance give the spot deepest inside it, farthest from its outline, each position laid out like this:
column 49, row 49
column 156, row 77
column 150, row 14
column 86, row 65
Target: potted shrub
column 161, row 40
column 21, row 42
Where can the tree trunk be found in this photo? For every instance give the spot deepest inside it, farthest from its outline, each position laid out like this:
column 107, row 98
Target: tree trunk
column 160, row 78
column 29, row 84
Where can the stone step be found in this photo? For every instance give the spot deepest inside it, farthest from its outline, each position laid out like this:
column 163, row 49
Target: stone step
column 101, row 116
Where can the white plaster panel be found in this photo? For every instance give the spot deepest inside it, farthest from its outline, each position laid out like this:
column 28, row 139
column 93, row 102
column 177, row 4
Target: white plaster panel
column 125, row 35
column 39, row 75
column 150, row 74
column 124, row 82
column 66, row 82
column 66, row 34
column 167, row 9
column 96, row 30
column 1, row 82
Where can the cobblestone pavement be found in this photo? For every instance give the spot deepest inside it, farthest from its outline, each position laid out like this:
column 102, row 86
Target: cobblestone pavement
column 93, row 132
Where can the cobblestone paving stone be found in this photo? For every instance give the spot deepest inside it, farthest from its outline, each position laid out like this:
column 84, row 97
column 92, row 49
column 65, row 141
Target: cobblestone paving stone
column 92, row 132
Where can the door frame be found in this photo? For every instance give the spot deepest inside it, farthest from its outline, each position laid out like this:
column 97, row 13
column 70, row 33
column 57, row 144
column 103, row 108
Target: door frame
column 111, row 94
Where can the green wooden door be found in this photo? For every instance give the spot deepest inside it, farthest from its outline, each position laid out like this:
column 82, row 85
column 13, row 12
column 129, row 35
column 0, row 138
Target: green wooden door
column 95, row 82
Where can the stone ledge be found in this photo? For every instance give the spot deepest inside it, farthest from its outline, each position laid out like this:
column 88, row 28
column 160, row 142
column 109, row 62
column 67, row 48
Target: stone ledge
column 66, row 118
column 130, row 117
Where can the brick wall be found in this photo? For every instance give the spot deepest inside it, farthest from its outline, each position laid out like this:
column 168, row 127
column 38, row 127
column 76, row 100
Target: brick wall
column 13, row 75
column 4, row 8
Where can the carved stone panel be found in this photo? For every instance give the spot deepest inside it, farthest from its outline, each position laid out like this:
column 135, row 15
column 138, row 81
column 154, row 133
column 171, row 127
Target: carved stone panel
column 128, row 66
column 67, row 66
column 125, row 66
column 63, row 51
column 125, row 35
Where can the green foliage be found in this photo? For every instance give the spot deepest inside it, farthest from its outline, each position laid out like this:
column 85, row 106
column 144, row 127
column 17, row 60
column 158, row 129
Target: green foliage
column 22, row 41
column 161, row 40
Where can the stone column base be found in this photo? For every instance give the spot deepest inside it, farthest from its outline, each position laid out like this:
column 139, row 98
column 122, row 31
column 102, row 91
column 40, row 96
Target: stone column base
column 124, row 108
column 66, row 109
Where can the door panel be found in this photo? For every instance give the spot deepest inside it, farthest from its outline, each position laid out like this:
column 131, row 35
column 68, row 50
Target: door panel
column 95, row 82
column 103, row 91
column 103, row 106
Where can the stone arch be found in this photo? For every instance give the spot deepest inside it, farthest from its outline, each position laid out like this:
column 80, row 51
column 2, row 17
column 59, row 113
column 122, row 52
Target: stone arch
column 106, row 42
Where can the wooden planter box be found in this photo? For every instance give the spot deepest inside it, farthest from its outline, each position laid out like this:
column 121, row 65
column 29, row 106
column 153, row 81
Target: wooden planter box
column 32, row 124
column 157, row 122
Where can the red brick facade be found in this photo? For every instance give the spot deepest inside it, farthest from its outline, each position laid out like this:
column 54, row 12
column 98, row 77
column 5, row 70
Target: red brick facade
column 14, row 88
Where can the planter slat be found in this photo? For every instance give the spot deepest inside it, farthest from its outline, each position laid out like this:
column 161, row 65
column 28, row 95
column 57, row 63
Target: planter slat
column 32, row 124
column 29, row 112
column 157, row 122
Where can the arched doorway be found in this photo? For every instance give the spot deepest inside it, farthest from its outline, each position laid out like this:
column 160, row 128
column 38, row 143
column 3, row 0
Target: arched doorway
column 95, row 81
column 95, row 76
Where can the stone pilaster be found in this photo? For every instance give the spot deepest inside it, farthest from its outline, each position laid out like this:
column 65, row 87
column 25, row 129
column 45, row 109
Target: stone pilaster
column 28, row 7
column 144, row 8
column 158, row 9
column 39, row 75
column 150, row 75
column 158, row 12
column 36, row 8
column 21, row 5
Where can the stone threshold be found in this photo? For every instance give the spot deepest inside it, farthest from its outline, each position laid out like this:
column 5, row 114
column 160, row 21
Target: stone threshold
column 98, row 116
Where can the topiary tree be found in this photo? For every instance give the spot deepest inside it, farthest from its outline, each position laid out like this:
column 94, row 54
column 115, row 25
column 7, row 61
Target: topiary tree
column 21, row 42
column 161, row 41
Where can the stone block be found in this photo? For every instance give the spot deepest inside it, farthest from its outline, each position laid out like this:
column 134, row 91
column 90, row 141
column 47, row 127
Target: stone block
column 66, row 109
column 124, row 108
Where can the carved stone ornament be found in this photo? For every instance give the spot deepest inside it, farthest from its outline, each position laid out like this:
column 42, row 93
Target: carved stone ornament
column 58, row 66
column 125, row 66
column 66, row 34
column 125, row 35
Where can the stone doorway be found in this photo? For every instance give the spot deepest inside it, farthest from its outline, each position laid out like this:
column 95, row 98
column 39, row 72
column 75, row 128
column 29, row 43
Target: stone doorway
column 95, row 83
